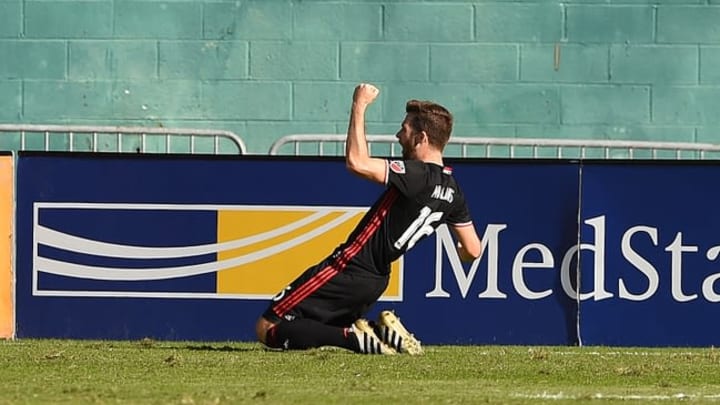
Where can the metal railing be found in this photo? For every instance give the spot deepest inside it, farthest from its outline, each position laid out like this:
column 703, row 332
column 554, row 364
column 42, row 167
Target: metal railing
column 119, row 139
column 334, row 145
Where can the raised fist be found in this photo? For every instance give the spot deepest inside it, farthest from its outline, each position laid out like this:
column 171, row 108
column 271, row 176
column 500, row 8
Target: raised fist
column 365, row 93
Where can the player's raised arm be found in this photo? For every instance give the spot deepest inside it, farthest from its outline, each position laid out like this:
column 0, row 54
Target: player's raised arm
column 357, row 158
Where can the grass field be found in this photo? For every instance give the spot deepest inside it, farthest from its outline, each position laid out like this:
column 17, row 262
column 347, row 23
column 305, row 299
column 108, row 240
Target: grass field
column 152, row 372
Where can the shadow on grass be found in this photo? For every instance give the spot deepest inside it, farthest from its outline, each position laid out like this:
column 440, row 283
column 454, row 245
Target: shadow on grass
column 148, row 343
column 226, row 348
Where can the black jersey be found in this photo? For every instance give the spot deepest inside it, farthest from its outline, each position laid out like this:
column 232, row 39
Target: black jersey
column 419, row 197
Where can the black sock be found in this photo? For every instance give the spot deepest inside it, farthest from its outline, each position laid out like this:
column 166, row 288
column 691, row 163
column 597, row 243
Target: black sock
column 301, row 334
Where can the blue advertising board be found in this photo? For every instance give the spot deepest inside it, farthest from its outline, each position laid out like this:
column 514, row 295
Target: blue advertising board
column 654, row 228
column 192, row 248
column 619, row 253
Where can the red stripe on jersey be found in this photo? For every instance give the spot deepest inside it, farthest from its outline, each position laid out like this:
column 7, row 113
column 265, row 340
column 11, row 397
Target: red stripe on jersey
column 372, row 225
column 339, row 264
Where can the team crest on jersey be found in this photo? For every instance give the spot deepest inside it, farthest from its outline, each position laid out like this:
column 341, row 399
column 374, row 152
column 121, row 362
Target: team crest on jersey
column 398, row 166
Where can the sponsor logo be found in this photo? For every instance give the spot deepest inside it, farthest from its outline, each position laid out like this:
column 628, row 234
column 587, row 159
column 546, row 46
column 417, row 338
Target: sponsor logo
column 184, row 251
column 634, row 266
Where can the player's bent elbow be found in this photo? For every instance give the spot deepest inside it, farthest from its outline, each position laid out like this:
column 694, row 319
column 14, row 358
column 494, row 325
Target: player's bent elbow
column 355, row 165
column 358, row 168
column 351, row 166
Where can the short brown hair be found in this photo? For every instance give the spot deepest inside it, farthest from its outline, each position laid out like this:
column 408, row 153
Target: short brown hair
column 432, row 118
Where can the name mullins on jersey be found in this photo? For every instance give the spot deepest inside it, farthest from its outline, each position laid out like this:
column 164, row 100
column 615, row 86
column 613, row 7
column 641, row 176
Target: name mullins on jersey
column 443, row 193
column 641, row 235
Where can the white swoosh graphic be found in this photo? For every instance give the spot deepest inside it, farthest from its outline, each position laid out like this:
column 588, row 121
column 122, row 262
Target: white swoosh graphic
column 122, row 274
column 50, row 237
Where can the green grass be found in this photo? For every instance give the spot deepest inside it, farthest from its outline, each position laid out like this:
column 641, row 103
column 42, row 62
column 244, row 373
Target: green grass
column 139, row 372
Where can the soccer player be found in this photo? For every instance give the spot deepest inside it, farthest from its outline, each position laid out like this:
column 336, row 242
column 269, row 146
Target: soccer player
column 324, row 305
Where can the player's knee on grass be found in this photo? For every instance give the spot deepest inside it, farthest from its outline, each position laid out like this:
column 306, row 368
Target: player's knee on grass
column 261, row 329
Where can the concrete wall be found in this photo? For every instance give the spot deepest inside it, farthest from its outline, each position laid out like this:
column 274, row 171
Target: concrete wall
column 586, row 69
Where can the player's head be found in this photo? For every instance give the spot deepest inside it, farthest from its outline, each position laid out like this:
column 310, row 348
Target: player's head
column 424, row 120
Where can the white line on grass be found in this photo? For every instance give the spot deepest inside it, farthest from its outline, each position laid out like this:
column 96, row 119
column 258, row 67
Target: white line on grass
column 563, row 396
column 616, row 353
column 621, row 353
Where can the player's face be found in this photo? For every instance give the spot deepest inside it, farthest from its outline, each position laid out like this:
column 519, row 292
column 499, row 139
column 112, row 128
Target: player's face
column 406, row 137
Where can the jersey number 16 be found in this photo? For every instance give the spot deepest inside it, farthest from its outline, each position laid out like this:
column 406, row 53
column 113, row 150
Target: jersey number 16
column 421, row 226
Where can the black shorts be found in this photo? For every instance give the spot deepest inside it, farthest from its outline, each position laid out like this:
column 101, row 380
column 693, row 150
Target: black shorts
column 321, row 293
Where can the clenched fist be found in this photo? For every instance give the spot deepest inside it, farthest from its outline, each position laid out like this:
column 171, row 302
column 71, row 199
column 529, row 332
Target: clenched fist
column 365, row 94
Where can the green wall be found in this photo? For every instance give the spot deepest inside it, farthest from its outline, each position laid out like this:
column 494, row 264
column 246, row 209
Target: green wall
column 607, row 69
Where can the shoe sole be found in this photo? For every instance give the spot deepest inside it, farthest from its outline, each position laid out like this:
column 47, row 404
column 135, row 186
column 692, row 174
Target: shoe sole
column 390, row 324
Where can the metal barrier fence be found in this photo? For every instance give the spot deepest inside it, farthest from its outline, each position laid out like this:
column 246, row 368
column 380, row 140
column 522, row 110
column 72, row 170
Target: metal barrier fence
column 119, row 139
column 387, row 145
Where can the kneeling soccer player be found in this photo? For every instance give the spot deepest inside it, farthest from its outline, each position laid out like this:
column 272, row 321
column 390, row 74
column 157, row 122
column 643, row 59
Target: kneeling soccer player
column 324, row 305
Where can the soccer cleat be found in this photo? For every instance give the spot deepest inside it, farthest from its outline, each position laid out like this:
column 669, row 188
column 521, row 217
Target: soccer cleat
column 394, row 334
column 368, row 340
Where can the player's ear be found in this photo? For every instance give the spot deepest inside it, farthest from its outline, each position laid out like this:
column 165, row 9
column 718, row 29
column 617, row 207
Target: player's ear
column 421, row 137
